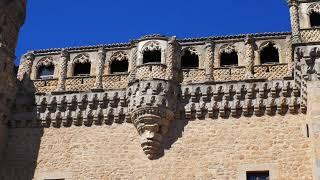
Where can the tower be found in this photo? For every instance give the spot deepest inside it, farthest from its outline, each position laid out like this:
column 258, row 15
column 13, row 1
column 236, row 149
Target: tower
column 305, row 23
column 12, row 16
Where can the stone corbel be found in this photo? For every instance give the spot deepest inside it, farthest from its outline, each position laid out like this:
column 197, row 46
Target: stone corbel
column 152, row 123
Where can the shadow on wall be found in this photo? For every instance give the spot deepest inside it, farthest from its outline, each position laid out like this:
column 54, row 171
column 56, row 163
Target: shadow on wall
column 175, row 132
column 24, row 136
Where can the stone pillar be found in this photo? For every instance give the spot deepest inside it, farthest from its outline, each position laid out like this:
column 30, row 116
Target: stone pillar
column 100, row 67
column 209, row 61
column 25, row 68
column 249, row 56
column 289, row 56
column 133, row 63
column 64, row 57
column 217, row 60
column 295, row 24
column 172, row 55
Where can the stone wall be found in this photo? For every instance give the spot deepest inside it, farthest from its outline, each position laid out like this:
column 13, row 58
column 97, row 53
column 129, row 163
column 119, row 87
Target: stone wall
column 200, row 149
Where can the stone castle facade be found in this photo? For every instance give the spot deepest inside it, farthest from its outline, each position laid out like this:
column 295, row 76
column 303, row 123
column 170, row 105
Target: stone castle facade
column 230, row 107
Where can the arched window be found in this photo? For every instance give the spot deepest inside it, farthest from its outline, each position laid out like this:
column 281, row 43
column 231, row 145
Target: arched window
column 82, row 69
column 229, row 59
column 189, row 60
column 314, row 19
column 150, row 56
column 119, row 66
column 46, row 71
column 269, row 54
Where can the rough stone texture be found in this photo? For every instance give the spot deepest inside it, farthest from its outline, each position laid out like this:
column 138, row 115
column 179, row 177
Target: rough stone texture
column 223, row 120
column 200, row 149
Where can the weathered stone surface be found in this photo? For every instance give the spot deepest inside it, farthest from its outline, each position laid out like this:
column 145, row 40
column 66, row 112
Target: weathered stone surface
column 200, row 149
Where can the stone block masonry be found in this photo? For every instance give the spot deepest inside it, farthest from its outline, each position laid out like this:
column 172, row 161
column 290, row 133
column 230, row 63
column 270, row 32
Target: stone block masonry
column 199, row 149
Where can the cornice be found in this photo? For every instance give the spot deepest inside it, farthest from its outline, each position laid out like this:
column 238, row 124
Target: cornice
column 147, row 37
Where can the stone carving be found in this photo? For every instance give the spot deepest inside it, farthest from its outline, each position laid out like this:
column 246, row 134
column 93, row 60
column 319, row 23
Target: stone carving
column 209, row 61
column 151, row 46
column 172, row 56
column 119, row 56
column 310, row 35
column 192, row 50
column 152, row 96
column 64, row 57
column 81, row 58
column 47, row 61
column 240, row 99
column 100, row 64
column 310, row 66
column 249, row 46
column 315, row 7
column 82, row 109
column 133, row 64
column 152, row 106
column 228, row 48
column 289, row 57
column 294, row 17
column 26, row 66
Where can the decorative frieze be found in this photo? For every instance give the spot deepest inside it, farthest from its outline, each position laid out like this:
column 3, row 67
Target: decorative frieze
column 240, row 99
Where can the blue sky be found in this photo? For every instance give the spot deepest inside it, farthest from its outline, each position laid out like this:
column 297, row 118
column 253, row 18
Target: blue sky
column 65, row 23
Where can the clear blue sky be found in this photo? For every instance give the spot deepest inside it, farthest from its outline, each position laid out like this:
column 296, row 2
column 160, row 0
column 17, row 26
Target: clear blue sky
column 65, row 23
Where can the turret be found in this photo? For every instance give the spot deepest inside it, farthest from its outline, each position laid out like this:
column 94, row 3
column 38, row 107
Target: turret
column 12, row 16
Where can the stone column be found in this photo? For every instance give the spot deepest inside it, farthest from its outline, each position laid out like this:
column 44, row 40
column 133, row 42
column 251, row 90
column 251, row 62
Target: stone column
column 133, row 63
column 64, row 57
column 172, row 55
column 249, row 56
column 294, row 16
column 25, row 68
column 209, row 61
column 100, row 67
column 289, row 53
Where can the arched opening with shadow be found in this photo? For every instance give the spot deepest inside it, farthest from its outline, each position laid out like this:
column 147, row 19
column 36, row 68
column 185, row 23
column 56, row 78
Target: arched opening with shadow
column 152, row 56
column 269, row 54
column 189, row 60
column 229, row 59
column 45, row 72
column 119, row 66
column 314, row 19
column 82, row 69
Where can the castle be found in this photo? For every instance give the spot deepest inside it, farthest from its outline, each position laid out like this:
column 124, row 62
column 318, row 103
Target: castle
column 230, row 107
